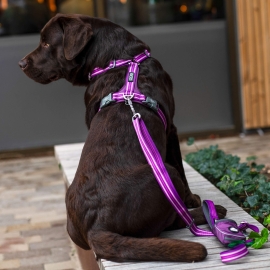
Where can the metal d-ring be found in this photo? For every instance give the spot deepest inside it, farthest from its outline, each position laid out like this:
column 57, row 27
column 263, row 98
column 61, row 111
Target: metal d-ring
column 128, row 97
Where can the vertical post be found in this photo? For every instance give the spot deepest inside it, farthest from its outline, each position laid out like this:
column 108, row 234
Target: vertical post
column 100, row 8
column 234, row 64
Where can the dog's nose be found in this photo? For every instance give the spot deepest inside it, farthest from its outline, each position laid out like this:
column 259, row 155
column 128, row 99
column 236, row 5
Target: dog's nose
column 23, row 63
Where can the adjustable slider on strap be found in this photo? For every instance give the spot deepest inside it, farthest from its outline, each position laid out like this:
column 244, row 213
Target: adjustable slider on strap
column 113, row 64
column 148, row 54
column 107, row 101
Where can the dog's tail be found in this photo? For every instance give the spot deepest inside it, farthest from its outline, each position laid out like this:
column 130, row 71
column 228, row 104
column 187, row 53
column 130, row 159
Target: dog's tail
column 115, row 247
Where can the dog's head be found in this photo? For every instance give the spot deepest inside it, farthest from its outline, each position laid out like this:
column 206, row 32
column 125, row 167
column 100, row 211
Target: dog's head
column 61, row 41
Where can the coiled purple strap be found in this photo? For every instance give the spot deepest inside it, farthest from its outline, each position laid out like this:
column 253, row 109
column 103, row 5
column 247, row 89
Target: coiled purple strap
column 224, row 231
column 234, row 253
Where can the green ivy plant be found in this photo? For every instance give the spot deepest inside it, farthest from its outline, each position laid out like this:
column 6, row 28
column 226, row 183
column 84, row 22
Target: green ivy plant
column 259, row 238
column 242, row 182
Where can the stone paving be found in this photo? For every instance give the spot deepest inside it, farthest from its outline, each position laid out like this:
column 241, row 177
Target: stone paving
column 32, row 216
column 32, row 209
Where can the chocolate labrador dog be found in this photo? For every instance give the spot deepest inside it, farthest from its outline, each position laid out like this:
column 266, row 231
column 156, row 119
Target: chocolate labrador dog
column 115, row 205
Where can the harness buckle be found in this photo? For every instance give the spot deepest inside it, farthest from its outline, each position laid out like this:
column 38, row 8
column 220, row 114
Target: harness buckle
column 107, row 101
column 151, row 103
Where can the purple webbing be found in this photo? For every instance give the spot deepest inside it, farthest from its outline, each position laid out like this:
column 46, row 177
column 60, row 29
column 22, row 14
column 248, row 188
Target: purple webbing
column 118, row 97
column 139, row 98
column 234, row 253
column 155, row 161
column 139, row 58
column 131, row 82
column 113, row 64
column 244, row 225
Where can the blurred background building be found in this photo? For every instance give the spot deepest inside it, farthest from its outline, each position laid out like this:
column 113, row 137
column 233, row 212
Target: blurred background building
column 216, row 51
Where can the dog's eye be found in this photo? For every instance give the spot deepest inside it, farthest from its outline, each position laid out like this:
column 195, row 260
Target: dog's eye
column 46, row 45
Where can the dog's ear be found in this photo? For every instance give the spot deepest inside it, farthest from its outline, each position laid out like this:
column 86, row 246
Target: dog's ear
column 76, row 35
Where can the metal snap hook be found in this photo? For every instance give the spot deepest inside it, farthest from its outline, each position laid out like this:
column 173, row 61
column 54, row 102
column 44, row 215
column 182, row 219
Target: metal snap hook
column 136, row 115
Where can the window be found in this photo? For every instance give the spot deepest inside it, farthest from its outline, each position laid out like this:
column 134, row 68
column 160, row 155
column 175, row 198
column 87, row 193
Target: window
column 29, row 16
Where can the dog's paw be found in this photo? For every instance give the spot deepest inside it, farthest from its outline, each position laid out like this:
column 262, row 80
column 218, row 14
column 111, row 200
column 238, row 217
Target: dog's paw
column 221, row 211
column 193, row 201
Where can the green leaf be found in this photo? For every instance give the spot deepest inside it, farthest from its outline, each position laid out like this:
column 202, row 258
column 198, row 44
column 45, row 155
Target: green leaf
column 251, row 158
column 259, row 167
column 190, row 141
column 260, row 239
column 265, row 233
column 266, row 220
column 252, row 200
column 254, row 235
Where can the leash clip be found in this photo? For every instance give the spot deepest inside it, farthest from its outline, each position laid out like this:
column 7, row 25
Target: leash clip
column 129, row 102
column 136, row 115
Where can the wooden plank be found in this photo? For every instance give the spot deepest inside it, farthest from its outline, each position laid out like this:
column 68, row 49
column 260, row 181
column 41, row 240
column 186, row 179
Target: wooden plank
column 266, row 59
column 68, row 157
column 244, row 67
column 253, row 38
column 259, row 92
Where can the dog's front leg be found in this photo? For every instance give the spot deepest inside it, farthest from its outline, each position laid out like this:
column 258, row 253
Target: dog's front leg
column 174, row 158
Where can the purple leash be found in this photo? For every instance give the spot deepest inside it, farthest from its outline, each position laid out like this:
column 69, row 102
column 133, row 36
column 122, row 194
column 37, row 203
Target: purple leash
column 130, row 93
column 155, row 161
column 225, row 230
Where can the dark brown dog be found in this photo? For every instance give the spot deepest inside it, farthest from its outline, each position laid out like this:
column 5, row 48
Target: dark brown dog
column 114, row 204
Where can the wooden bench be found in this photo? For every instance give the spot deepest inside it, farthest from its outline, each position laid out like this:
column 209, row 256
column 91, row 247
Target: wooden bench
column 68, row 159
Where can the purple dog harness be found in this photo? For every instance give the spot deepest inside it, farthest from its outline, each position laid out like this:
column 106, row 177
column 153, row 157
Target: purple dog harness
column 225, row 230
